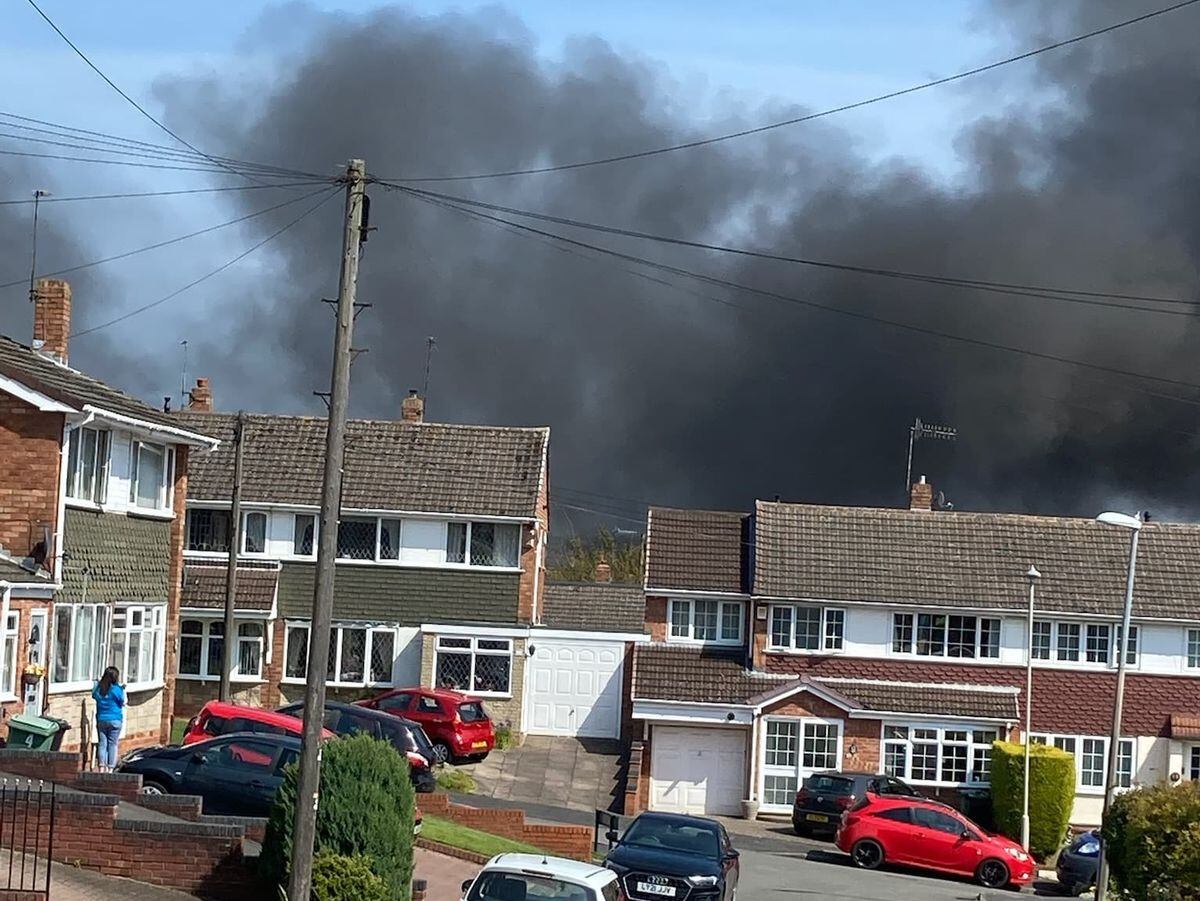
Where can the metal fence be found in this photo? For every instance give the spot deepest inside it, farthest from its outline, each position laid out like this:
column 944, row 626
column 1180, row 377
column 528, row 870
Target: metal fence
column 26, row 837
column 605, row 823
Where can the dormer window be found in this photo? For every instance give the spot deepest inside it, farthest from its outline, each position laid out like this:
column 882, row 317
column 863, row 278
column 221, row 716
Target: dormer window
column 87, row 465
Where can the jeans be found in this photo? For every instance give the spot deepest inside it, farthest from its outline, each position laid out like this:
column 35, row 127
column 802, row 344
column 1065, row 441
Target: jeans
column 107, row 734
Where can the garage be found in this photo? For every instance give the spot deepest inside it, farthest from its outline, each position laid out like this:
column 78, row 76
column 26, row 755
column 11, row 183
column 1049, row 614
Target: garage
column 697, row 771
column 575, row 687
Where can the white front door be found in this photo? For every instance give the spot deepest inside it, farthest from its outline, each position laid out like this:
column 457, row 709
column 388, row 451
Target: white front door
column 35, row 697
column 794, row 748
column 697, row 770
column 575, row 688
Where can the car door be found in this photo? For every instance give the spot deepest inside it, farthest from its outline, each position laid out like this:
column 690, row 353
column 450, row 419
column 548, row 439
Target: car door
column 895, row 832
column 234, row 776
column 428, row 711
column 941, row 842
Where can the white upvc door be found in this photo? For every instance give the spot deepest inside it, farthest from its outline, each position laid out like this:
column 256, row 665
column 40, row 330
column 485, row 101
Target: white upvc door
column 793, row 748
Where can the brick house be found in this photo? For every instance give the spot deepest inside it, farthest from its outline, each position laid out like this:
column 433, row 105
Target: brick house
column 92, row 491
column 802, row 637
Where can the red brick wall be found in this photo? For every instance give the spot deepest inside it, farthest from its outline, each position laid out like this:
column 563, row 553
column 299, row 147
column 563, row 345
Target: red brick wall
column 566, row 841
column 30, row 452
column 52, row 316
column 863, row 736
column 656, row 618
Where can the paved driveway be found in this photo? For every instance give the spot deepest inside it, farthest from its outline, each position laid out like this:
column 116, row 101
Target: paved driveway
column 581, row 774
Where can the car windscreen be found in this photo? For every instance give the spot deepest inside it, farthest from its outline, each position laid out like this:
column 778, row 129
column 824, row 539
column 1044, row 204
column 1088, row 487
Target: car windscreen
column 471, row 712
column 829, row 785
column 502, row 886
column 669, row 835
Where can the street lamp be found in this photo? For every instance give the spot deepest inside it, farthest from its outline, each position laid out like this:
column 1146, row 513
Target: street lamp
column 1033, row 575
column 1134, row 525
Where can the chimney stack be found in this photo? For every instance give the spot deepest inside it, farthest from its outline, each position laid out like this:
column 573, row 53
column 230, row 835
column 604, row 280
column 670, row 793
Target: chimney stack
column 200, row 398
column 921, row 497
column 603, row 572
column 412, row 408
column 52, row 317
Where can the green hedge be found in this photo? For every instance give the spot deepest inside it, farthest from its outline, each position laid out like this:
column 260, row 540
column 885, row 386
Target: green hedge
column 1051, row 794
column 1152, row 839
column 366, row 810
column 339, row 878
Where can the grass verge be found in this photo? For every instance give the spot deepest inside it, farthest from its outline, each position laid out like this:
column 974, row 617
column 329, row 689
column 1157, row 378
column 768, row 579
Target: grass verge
column 451, row 833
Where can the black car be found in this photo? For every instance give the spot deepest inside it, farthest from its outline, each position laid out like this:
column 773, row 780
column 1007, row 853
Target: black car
column 824, row 796
column 404, row 735
column 667, row 855
column 234, row 774
column 1077, row 864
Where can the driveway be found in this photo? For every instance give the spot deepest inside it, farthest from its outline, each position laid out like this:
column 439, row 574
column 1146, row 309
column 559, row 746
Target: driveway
column 577, row 773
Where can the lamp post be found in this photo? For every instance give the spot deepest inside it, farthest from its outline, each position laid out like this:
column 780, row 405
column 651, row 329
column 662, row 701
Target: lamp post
column 1134, row 525
column 1033, row 575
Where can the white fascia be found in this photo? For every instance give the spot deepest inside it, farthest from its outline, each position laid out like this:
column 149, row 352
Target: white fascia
column 42, row 402
column 152, row 430
column 693, row 713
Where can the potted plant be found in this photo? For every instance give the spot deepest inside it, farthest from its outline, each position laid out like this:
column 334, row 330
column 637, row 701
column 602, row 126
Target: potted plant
column 33, row 674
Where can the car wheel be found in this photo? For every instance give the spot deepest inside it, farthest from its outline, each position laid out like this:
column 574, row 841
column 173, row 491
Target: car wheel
column 151, row 787
column 992, row 873
column 441, row 751
column 867, row 854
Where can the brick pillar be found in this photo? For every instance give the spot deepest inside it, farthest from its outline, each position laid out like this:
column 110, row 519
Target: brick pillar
column 52, row 316
column 174, row 591
column 200, row 398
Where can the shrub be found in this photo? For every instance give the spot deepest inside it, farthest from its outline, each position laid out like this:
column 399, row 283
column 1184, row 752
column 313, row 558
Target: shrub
column 1152, row 839
column 339, row 878
column 1051, row 794
column 366, row 809
column 504, row 737
column 451, row 780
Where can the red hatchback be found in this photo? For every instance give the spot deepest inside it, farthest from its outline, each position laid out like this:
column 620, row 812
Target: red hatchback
column 933, row 836
column 456, row 724
column 221, row 718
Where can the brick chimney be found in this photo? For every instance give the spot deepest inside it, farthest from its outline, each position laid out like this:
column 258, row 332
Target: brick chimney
column 52, row 317
column 200, row 398
column 603, row 572
column 412, row 408
column 921, row 497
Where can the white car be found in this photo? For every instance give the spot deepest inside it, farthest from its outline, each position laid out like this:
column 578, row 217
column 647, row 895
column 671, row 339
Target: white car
column 532, row 877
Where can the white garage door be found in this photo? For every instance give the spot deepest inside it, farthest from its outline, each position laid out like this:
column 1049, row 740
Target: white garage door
column 575, row 688
column 697, row 771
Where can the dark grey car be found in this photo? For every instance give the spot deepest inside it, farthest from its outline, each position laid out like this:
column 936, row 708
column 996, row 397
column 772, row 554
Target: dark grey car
column 823, row 797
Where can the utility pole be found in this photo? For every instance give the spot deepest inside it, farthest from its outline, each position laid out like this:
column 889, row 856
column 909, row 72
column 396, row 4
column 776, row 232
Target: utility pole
column 235, row 544
column 309, row 793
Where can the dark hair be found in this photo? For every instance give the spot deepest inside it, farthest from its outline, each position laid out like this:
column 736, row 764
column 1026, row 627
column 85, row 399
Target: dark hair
column 109, row 679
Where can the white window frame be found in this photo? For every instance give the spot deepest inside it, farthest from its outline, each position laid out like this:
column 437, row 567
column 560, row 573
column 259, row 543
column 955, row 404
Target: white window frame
column 690, row 605
column 12, row 633
column 165, row 500
column 799, row 771
column 1191, row 762
column 296, row 533
column 914, row 628
column 826, row 645
column 475, row 652
column 1049, row 738
column 206, row 635
column 101, row 462
column 941, row 742
column 1110, row 659
column 370, row 628
column 187, row 535
column 99, row 651
column 1191, row 648
column 152, row 628
column 244, row 537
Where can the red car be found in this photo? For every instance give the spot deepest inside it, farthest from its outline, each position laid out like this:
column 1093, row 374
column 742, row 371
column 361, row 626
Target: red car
column 221, row 718
column 930, row 835
column 456, row 724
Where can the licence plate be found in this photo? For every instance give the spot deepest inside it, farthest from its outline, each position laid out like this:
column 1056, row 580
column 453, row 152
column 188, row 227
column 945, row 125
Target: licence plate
column 479, row 744
column 817, row 818
column 649, row 888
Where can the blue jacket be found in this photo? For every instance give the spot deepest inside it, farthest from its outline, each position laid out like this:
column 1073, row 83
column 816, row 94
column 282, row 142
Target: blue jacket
column 109, row 707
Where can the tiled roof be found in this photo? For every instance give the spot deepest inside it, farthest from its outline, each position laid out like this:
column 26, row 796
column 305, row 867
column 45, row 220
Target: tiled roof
column 204, row 586
column 112, row 557
column 72, row 387
column 972, row 560
column 11, row 570
column 701, row 550
column 1185, row 727
column 430, row 467
column 666, row 672
column 594, row 606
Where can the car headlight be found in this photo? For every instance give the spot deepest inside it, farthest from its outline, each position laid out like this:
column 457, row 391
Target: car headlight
column 1088, row 848
column 702, row 881
column 1018, row 854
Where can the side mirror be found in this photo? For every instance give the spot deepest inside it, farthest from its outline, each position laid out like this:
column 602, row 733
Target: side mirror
column 612, row 836
column 466, row 886
column 199, row 758
column 733, row 854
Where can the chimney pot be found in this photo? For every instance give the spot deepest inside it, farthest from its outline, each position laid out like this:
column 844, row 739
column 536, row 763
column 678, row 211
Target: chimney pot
column 603, row 572
column 412, row 408
column 200, row 398
column 921, row 496
column 52, row 317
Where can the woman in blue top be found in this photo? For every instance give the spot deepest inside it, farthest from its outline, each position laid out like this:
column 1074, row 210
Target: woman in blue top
column 110, row 711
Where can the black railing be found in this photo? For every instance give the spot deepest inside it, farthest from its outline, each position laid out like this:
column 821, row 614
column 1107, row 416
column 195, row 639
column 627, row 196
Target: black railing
column 26, row 837
column 605, row 823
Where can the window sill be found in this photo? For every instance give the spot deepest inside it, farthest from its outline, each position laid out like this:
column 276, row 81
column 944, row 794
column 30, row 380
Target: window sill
column 62, row 688
column 492, row 695
column 292, row 680
column 147, row 513
column 802, row 652
column 8, row 699
column 236, row 680
column 80, row 503
column 700, row 642
column 137, row 687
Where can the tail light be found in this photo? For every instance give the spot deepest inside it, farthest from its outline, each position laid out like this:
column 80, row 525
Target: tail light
column 844, row 801
column 802, row 795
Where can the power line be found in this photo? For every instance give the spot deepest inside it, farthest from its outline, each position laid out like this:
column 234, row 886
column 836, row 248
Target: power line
column 175, row 240
column 130, row 195
column 113, row 85
column 329, row 194
column 703, row 142
column 1043, row 292
column 87, row 159
column 854, row 314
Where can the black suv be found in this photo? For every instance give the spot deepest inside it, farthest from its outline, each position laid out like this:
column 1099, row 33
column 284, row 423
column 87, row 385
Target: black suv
column 824, row 796
column 667, row 855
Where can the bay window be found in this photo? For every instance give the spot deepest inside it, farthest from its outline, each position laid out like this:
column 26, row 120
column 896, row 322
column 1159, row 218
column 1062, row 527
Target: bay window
column 954, row 755
column 79, row 640
column 946, row 635
column 803, row 627
column 703, row 620
column 202, row 648
column 359, row 655
column 136, row 645
column 87, row 464
column 150, row 475
column 476, row 665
